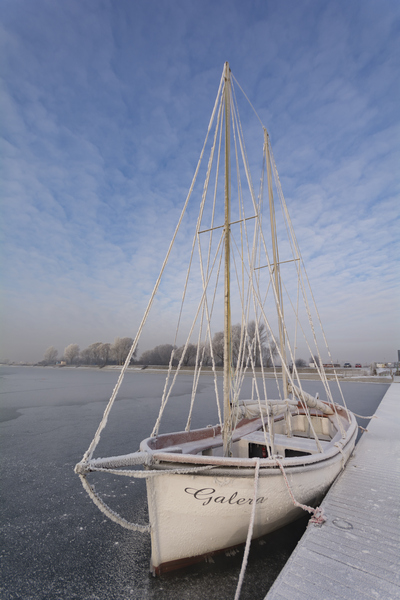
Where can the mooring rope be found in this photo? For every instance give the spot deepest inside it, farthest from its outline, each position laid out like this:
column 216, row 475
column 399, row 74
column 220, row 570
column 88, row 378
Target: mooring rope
column 318, row 514
column 249, row 532
column 111, row 514
column 83, row 468
column 362, row 416
column 339, row 446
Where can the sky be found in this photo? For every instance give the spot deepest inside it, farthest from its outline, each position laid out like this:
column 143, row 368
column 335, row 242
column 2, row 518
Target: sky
column 105, row 105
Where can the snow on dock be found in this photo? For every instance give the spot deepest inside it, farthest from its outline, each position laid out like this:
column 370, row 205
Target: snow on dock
column 356, row 553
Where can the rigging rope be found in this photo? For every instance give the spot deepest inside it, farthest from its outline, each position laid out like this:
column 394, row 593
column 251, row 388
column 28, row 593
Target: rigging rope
column 89, row 453
column 251, row 302
column 168, row 392
column 293, row 239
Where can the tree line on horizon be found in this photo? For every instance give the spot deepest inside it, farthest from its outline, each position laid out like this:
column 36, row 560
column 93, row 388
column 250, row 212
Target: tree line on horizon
column 101, row 354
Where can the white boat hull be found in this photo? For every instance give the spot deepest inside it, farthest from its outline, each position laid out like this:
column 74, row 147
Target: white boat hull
column 192, row 516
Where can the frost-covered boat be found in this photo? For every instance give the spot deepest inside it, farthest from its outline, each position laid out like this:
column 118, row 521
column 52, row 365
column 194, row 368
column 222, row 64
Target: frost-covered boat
column 266, row 459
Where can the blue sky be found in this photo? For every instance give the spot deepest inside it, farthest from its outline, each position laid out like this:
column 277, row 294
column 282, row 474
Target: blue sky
column 105, row 105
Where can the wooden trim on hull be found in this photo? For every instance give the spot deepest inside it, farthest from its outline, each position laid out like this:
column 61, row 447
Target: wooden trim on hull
column 162, row 448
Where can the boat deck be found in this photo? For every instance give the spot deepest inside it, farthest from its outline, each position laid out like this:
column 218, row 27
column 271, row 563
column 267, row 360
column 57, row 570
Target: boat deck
column 356, row 553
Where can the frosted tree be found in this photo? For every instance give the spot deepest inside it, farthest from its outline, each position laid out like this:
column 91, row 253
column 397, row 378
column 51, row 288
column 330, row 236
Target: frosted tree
column 120, row 349
column 104, row 352
column 218, row 347
column 50, row 356
column 160, row 355
column 189, row 358
column 71, row 353
column 96, row 354
column 256, row 340
column 90, row 355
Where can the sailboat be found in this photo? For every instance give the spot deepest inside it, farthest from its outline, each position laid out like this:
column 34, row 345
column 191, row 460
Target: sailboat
column 267, row 459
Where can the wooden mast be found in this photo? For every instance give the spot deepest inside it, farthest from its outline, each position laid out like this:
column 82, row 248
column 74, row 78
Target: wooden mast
column 277, row 278
column 227, row 429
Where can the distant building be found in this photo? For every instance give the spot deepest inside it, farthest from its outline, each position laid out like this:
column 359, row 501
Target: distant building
column 388, row 367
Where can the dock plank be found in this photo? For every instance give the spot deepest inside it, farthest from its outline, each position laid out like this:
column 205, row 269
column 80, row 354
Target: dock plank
column 312, row 569
column 356, row 553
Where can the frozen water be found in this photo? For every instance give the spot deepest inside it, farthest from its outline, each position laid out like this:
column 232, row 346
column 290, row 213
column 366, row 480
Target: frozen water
column 56, row 544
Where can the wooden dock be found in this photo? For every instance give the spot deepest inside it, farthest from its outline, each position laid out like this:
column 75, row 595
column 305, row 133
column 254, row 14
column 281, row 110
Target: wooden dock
column 355, row 555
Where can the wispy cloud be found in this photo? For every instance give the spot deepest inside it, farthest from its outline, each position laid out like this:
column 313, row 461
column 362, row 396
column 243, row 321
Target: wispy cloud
column 106, row 107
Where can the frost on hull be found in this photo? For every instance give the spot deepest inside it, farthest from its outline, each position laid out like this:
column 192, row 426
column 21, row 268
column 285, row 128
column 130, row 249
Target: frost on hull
column 195, row 515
